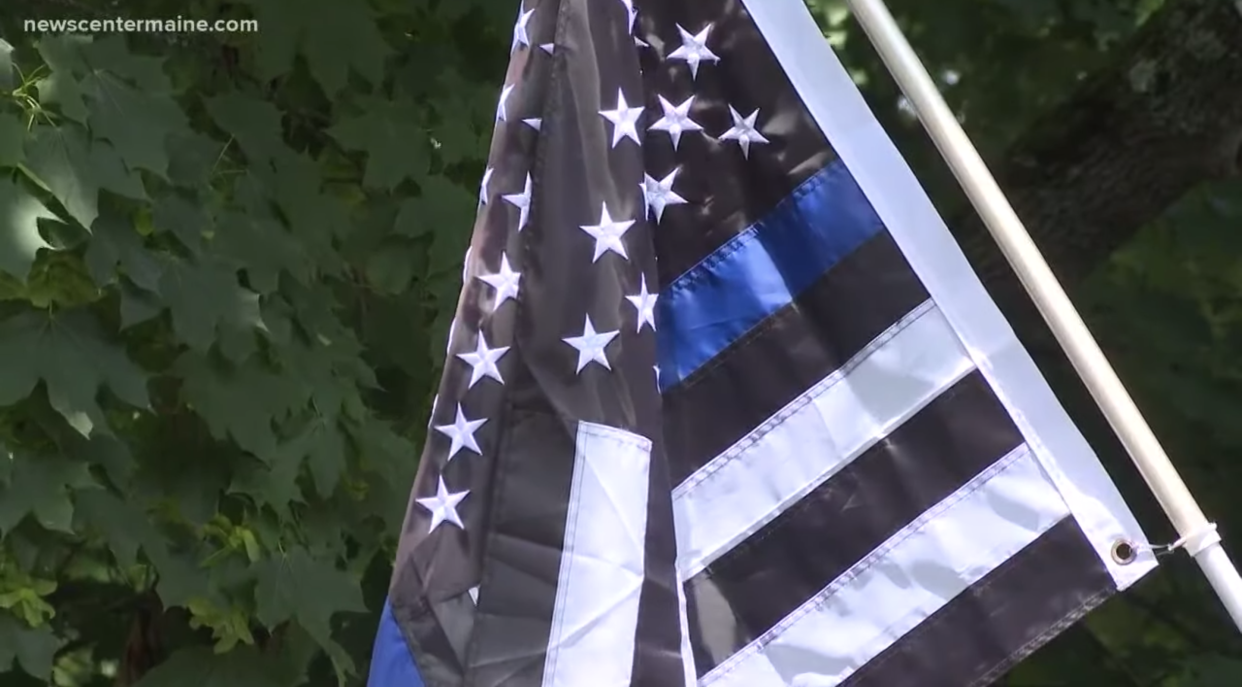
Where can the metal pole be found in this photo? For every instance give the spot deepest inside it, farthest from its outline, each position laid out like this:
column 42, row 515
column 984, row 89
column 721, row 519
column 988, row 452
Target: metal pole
column 1198, row 535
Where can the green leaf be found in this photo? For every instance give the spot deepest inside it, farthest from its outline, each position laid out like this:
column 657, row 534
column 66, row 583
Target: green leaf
column 204, row 297
column 273, row 483
column 62, row 90
column 254, row 123
column 333, row 35
column 41, row 486
column 186, row 220
column 298, row 587
column 395, row 143
column 33, row 649
column 111, row 54
column 12, row 138
column 200, row 667
column 125, row 526
column 74, row 170
column 441, row 208
column 20, row 240
column 70, row 354
column 391, row 268
column 262, row 245
column 115, row 241
column 137, row 122
column 6, row 65
column 239, row 402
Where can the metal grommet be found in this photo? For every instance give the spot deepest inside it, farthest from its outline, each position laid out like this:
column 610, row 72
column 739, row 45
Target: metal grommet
column 1123, row 552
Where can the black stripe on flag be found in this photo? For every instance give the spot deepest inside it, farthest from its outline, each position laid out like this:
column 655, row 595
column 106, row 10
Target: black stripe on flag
column 756, row 584
column 823, row 328
column 1000, row 620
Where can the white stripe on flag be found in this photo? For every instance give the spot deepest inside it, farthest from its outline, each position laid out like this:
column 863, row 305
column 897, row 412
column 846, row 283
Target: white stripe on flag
column 904, row 581
column 601, row 572
column 687, row 650
column 815, row 436
column 838, row 107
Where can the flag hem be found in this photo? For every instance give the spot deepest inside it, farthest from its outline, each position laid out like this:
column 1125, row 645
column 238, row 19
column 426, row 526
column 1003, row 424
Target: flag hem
column 845, row 119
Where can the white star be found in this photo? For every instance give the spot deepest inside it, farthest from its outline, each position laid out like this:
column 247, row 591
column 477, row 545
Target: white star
column 744, row 131
column 483, row 361
column 607, row 234
column 506, row 281
column 658, row 193
column 502, row 114
column 624, row 120
column 591, row 345
column 534, row 123
column 520, row 34
column 657, row 371
column 694, row 49
column 644, row 303
column 676, row 119
column 461, row 433
column 483, row 191
column 522, row 202
column 549, row 48
column 443, row 506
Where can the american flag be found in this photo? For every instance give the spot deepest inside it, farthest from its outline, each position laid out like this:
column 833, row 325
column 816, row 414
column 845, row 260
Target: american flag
column 724, row 404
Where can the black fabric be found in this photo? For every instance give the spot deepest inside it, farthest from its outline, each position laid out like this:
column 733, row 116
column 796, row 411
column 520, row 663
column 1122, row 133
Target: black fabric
column 772, row 573
column 511, row 548
column 727, row 192
column 794, row 348
column 999, row 620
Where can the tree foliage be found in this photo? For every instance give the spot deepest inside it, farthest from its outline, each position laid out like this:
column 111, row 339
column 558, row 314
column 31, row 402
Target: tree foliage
column 227, row 266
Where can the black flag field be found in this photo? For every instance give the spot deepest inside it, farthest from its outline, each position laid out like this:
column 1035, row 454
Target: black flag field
column 724, row 403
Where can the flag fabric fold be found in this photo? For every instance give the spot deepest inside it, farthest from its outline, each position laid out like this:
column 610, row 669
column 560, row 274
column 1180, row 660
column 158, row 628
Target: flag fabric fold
column 723, row 402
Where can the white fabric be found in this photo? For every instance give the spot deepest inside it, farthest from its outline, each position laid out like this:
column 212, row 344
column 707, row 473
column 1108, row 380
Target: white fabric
column 601, row 575
column 835, row 103
column 901, row 583
column 815, row 436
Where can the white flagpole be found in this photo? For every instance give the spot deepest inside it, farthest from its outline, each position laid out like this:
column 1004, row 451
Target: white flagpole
column 1197, row 534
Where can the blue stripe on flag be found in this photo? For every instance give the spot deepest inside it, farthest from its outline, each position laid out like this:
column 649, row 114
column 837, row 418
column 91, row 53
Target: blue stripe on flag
column 391, row 663
column 761, row 270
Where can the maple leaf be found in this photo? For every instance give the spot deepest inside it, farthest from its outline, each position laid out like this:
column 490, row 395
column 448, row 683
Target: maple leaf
column 12, row 139
column 74, row 169
column 201, row 667
column 33, row 648
column 123, row 523
column 69, row 353
column 137, row 122
column 115, row 241
column 203, row 297
column 20, row 240
column 334, row 36
column 390, row 133
column 40, row 486
column 297, row 587
column 6, row 65
column 239, row 402
column 255, row 123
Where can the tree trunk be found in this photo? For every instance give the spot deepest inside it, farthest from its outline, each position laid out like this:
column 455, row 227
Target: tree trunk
column 1131, row 141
